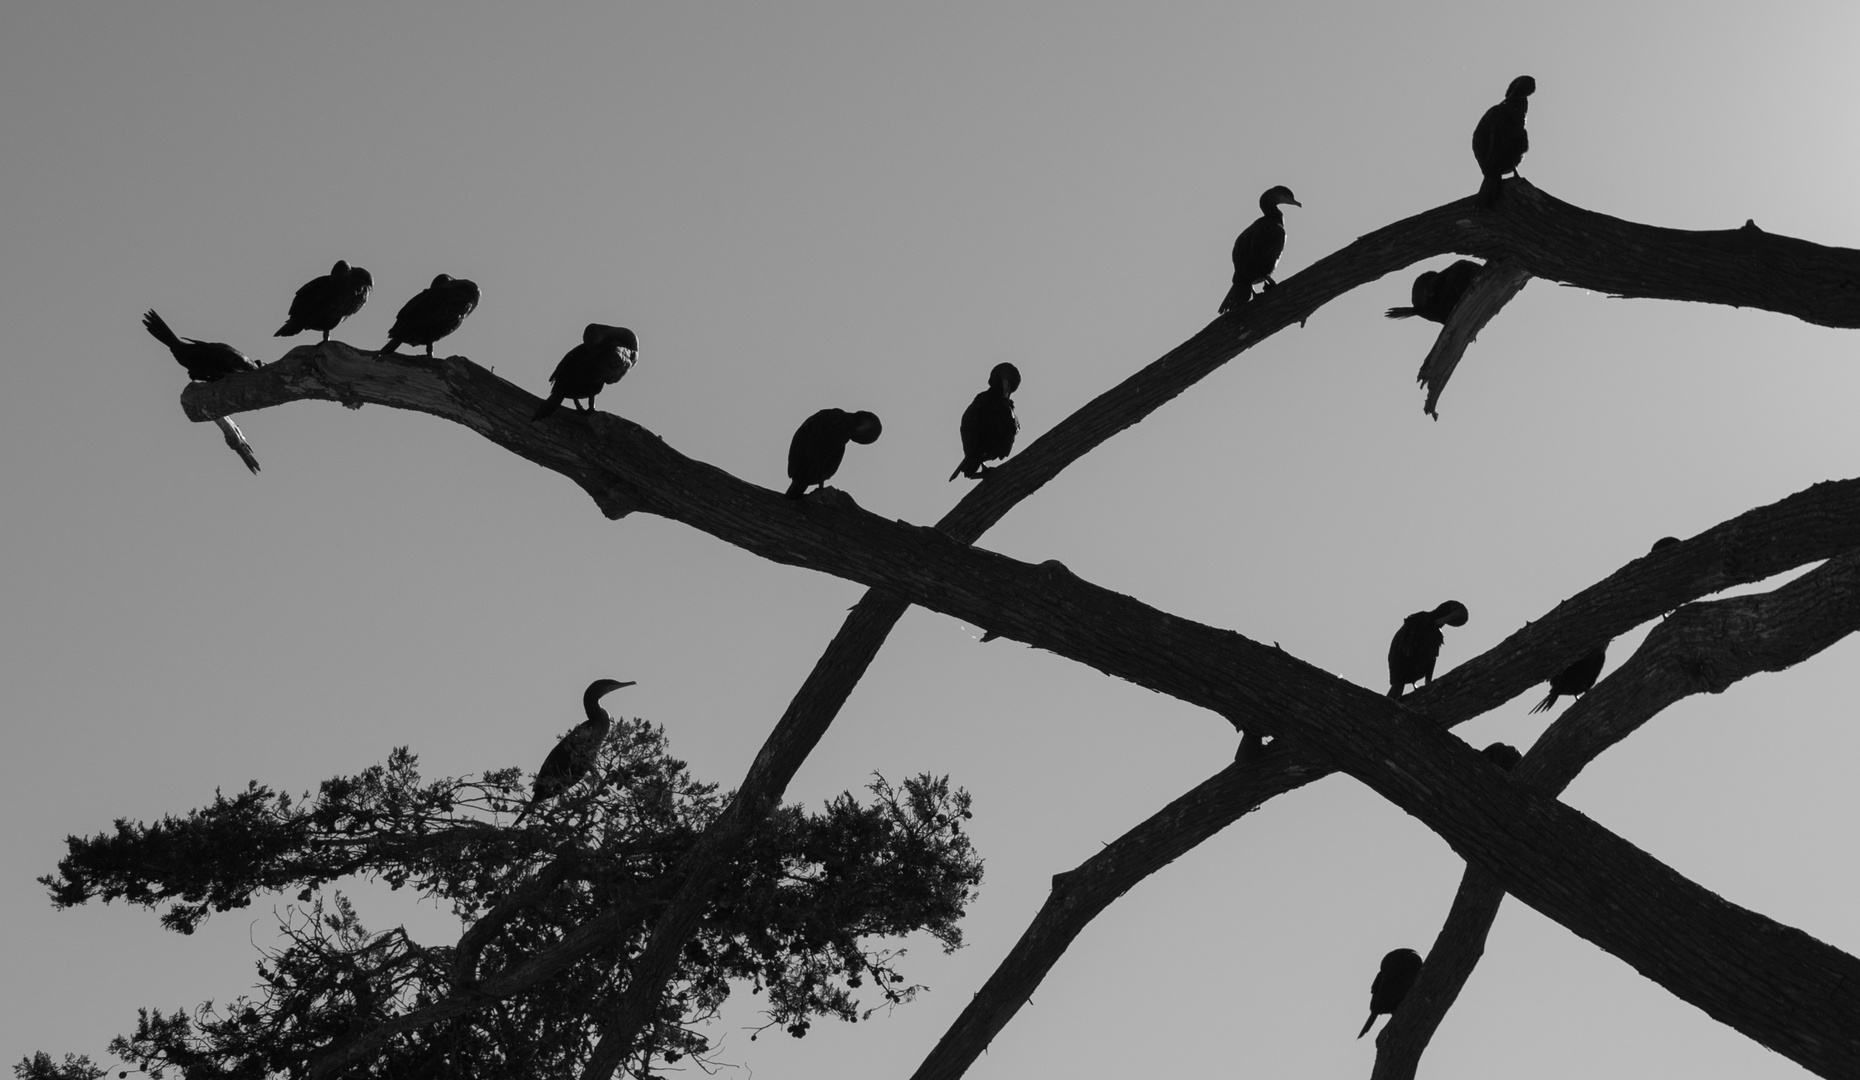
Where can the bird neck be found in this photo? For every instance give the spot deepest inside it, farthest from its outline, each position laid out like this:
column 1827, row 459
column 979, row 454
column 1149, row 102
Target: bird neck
column 1271, row 212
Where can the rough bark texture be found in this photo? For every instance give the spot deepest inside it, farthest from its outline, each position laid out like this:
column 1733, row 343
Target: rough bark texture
column 1490, row 292
column 1553, row 858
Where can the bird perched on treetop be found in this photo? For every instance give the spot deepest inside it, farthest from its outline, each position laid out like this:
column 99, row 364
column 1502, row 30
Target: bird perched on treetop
column 574, row 756
column 1576, row 679
column 1392, row 983
column 325, row 301
column 1499, row 140
column 820, row 444
column 1437, row 292
column 1258, row 247
column 604, row 355
column 204, row 360
column 988, row 424
column 434, row 312
column 1417, row 645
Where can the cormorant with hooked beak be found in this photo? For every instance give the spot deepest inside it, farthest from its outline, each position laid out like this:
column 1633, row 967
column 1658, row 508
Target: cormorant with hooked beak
column 820, row 445
column 1417, row 645
column 1499, row 141
column 575, row 755
column 988, row 424
column 604, row 355
column 434, row 312
column 1258, row 247
column 325, row 301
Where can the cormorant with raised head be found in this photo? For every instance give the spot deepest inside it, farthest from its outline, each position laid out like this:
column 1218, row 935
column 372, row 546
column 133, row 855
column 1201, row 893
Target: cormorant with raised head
column 1258, row 247
column 604, row 355
column 1576, row 679
column 1417, row 645
column 820, row 444
column 434, row 312
column 988, row 424
column 1499, row 141
column 576, row 753
column 204, row 360
column 1437, row 292
column 1503, row 755
column 1392, row 983
column 325, row 301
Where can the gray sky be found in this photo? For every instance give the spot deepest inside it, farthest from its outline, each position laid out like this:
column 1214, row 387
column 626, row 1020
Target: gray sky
column 869, row 207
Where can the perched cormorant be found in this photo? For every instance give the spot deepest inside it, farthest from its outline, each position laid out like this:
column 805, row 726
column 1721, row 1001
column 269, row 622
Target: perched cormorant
column 1437, row 292
column 1575, row 679
column 1503, row 755
column 604, row 355
column 204, row 360
column 1499, row 142
column 325, row 301
column 575, row 755
column 1258, row 247
column 1417, row 645
column 1399, row 970
column 434, row 312
column 988, row 424
column 820, row 443
column 1663, row 543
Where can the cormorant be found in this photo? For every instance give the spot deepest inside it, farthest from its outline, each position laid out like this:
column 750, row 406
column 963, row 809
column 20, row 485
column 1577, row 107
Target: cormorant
column 1575, row 679
column 604, row 355
column 1417, row 645
column 820, row 443
column 1437, row 292
column 988, row 424
column 1399, row 970
column 325, row 301
column 1499, row 141
column 575, row 755
column 1258, row 247
column 204, row 360
column 434, row 312
column 1503, row 755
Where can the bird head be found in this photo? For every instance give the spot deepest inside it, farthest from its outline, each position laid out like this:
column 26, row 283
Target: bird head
column 1451, row 613
column 441, row 281
column 599, row 689
column 1521, row 87
column 1005, row 378
column 359, row 276
column 617, row 336
column 866, row 428
column 1278, row 196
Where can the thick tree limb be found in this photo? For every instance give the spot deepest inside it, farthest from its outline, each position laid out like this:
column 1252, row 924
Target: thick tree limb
column 1702, row 648
column 1448, row 228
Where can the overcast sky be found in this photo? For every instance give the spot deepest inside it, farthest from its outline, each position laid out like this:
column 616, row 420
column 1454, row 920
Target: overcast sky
column 869, row 206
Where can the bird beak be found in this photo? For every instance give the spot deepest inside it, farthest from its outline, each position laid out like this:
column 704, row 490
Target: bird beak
column 1294, row 202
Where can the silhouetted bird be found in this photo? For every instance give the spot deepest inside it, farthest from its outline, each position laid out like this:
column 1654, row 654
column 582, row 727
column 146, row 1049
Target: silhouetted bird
column 604, row 355
column 1663, row 543
column 325, row 301
column 434, row 312
column 204, row 360
column 1258, row 247
column 988, row 424
column 575, row 755
column 1499, row 141
column 1503, row 755
column 820, row 444
column 1399, row 970
column 1437, row 292
column 1417, row 645
column 1575, row 679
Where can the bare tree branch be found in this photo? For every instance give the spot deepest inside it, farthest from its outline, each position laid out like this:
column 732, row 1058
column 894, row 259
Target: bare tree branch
column 1490, row 292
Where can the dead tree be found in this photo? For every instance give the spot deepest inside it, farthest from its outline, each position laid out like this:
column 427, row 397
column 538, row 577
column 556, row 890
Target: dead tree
column 1795, row 995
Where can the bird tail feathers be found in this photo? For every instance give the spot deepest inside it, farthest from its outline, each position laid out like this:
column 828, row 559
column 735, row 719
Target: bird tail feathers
column 795, row 489
column 160, row 329
column 1236, row 296
column 554, row 403
column 1367, row 1024
column 1544, row 705
column 288, row 329
column 1488, row 191
column 1402, row 313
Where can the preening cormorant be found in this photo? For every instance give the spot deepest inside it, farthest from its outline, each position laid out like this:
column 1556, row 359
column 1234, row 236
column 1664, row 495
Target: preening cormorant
column 604, row 355
column 575, row 755
column 820, row 444
column 1258, row 247
column 1399, row 970
column 1437, row 292
column 434, row 312
column 1503, row 755
column 1417, row 645
column 1575, row 679
column 204, row 360
column 988, row 424
column 1499, row 141
column 325, row 301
